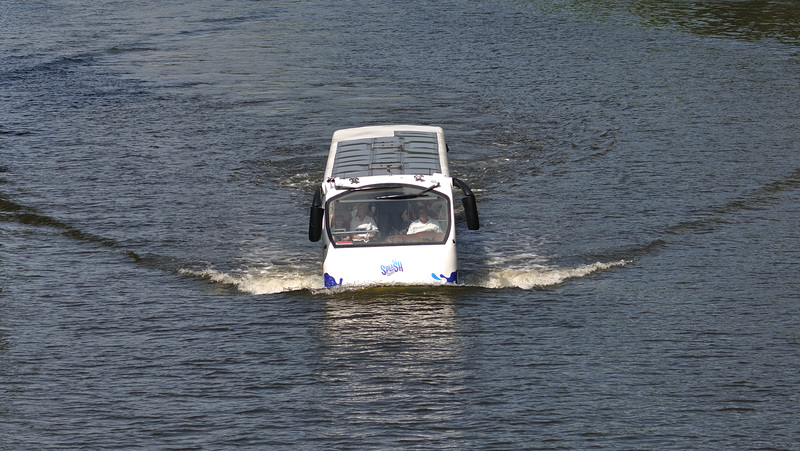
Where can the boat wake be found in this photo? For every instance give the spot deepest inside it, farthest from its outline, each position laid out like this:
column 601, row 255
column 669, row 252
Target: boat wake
column 270, row 280
column 287, row 278
column 537, row 277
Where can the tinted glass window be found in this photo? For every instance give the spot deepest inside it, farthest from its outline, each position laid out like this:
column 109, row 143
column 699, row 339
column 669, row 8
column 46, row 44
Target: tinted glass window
column 393, row 215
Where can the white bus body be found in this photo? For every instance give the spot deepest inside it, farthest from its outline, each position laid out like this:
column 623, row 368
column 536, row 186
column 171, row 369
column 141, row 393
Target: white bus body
column 385, row 209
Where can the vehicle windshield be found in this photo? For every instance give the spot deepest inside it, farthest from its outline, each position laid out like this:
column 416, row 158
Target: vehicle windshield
column 390, row 215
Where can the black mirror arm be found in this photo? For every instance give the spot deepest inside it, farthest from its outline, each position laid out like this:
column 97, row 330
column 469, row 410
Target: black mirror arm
column 470, row 206
column 317, row 215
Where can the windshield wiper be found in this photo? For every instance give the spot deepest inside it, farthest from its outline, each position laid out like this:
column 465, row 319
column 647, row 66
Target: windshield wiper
column 367, row 188
column 409, row 196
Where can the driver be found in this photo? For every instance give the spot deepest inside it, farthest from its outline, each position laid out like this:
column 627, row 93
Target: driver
column 363, row 222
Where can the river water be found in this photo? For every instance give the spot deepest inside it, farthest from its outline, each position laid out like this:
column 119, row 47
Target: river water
column 634, row 283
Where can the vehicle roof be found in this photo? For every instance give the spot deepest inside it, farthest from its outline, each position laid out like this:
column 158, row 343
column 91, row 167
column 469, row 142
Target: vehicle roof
column 387, row 149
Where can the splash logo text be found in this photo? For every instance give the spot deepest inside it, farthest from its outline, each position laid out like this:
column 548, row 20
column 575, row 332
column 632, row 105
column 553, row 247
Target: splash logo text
column 393, row 267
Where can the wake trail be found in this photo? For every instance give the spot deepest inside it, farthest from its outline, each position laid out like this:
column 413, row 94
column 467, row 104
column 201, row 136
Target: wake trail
column 282, row 279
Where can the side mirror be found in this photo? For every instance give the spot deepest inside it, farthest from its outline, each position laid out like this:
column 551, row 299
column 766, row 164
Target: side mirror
column 470, row 206
column 315, row 224
column 471, row 212
column 316, row 217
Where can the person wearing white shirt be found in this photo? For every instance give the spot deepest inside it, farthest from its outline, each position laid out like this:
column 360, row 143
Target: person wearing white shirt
column 424, row 223
column 363, row 222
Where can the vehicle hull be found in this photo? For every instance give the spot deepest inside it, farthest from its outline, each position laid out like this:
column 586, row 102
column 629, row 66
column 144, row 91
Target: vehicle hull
column 429, row 264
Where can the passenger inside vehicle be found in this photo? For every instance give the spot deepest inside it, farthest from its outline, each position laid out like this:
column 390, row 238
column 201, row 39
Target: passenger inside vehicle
column 424, row 223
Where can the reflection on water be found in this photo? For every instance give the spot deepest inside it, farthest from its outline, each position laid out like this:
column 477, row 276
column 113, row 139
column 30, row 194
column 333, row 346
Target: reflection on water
column 749, row 19
column 421, row 327
column 743, row 19
column 404, row 355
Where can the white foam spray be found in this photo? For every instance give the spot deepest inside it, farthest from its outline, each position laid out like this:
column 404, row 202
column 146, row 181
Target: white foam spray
column 285, row 278
column 537, row 276
column 271, row 280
